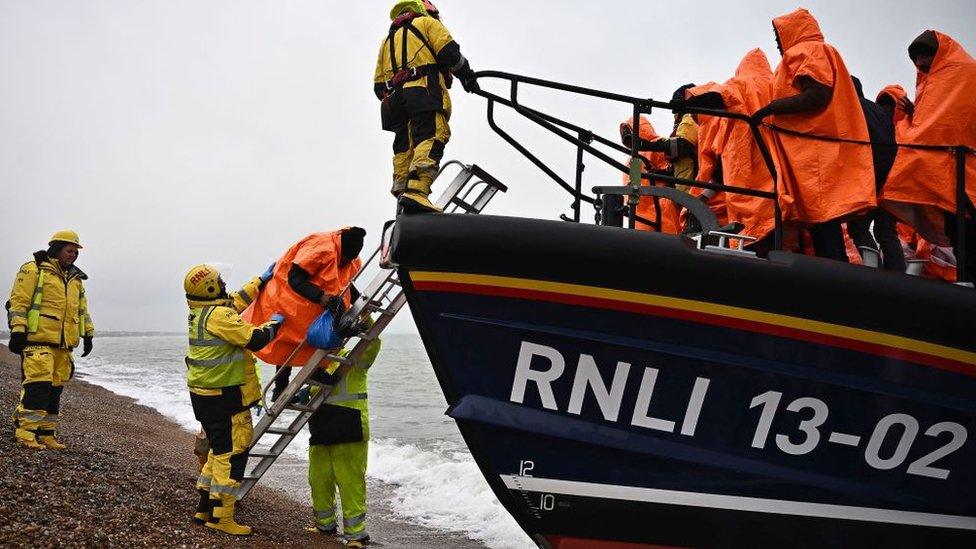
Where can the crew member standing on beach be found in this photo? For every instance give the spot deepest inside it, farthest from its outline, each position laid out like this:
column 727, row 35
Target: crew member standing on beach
column 223, row 387
column 48, row 317
column 337, row 452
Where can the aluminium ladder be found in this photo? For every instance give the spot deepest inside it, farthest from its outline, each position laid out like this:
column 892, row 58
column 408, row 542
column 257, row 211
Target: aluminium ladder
column 469, row 192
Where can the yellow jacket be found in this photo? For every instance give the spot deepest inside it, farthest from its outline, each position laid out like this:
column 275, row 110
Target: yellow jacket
column 446, row 53
column 226, row 324
column 63, row 305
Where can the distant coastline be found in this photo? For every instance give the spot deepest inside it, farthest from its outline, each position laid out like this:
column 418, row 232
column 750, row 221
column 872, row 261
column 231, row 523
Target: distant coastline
column 6, row 334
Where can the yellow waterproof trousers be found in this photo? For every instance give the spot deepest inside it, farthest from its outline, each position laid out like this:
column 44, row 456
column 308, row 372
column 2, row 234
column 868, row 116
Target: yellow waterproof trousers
column 418, row 147
column 229, row 434
column 44, row 372
column 343, row 467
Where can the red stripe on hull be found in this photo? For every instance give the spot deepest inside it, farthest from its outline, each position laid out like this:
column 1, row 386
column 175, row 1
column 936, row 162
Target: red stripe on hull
column 704, row 318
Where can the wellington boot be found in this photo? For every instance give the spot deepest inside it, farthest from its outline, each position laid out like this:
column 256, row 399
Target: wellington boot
column 222, row 517
column 51, row 442
column 28, row 439
column 412, row 202
column 203, row 507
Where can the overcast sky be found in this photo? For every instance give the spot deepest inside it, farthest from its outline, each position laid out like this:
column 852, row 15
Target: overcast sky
column 172, row 132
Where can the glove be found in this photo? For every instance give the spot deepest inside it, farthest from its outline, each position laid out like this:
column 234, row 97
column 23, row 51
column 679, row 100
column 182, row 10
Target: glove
column 303, row 396
column 277, row 318
column 351, row 329
column 266, row 275
column 468, row 80
column 626, row 135
column 18, row 340
column 336, row 305
column 470, row 84
column 87, row 346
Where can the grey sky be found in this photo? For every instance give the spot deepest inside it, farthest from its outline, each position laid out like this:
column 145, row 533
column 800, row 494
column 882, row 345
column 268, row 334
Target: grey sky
column 173, row 132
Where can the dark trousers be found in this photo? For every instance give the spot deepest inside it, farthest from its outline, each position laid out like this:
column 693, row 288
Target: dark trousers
column 965, row 257
column 885, row 237
column 828, row 240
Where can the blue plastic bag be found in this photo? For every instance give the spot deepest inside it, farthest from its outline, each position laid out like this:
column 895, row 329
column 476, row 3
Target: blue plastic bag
column 320, row 333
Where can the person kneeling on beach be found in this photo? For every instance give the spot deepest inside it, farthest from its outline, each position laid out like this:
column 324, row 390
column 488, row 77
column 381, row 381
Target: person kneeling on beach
column 337, row 452
column 223, row 386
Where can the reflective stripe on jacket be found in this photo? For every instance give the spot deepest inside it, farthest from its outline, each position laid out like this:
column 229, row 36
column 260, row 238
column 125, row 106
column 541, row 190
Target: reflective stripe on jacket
column 216, row 356
column 49, row 303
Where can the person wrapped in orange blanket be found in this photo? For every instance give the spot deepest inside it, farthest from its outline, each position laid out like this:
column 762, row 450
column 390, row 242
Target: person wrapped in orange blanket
column 656, row 162
column 309, row 278
column 822, row 181
column 921, row 188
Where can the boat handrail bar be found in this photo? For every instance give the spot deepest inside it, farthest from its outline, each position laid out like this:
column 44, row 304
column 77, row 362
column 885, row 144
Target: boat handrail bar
column 585, row 139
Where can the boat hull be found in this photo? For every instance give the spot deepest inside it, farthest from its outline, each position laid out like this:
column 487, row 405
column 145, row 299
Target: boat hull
column 624, row 388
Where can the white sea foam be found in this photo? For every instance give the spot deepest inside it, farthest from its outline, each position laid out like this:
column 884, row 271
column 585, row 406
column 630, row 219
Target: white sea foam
column 446, row 492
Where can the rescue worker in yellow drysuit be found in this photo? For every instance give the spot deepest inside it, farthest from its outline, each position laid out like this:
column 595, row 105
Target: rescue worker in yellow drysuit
column 413, row 74
column 48, row 317
column 222, row 379
column 337, row 452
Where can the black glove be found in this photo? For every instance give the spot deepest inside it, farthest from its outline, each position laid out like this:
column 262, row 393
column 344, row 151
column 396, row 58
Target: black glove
column 468, row 80
column 87, row 346
column 626, row 135
column 336, row 305
column 470, row 84
column 351, row 329
column 18, row 340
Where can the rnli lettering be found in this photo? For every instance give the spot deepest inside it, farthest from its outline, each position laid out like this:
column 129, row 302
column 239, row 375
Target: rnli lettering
column 608, row 395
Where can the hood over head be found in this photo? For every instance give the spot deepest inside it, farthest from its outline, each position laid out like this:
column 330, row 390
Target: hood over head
column 797, row 27
column 754, row 63
column 948, row 52
column 894, row 91
column 646, row 130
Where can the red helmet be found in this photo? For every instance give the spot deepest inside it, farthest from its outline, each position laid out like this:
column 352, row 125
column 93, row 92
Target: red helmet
column 431, row 9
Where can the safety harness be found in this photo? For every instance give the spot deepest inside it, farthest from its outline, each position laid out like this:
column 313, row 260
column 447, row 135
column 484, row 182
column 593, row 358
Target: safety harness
column 404, row 73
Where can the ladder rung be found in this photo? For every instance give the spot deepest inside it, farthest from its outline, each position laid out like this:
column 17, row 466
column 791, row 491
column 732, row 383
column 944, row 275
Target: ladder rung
column 300, row 407
column 378, row 309
column 339, row 359
column 394, row 280
column 281, row 431
column 464, row 205
column 262, row 454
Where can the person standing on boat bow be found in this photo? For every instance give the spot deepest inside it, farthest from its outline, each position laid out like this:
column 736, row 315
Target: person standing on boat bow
column 823, row 180
column 921, row 189
column 413, row 73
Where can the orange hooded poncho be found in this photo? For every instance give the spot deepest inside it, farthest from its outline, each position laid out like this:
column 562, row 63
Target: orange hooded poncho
column 922, row 183
column 896, row 93
column 746, row 92
column 319, row 255
column 712, row 138
column 820, row 180
column 645, row 208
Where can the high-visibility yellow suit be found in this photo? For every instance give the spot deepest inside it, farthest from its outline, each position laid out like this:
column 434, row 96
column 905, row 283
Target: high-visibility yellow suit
column 337, row 452
column 413, row 74
column 48, row 314
column 223, row 385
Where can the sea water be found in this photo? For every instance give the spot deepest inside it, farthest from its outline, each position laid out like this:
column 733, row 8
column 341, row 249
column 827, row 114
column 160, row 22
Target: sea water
column 414, row 447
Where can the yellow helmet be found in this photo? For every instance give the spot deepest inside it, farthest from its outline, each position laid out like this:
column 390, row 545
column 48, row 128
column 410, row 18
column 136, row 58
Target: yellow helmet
column 203, row 282
column 65, row 236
